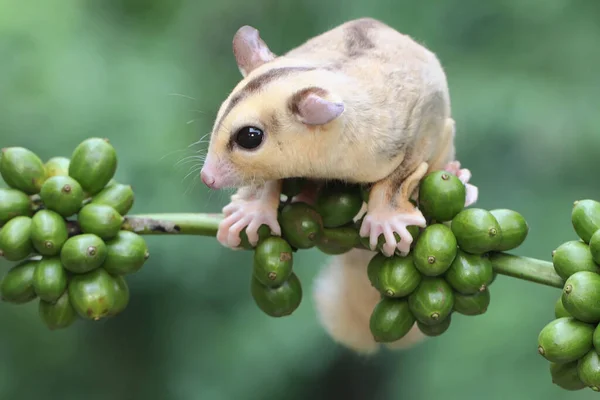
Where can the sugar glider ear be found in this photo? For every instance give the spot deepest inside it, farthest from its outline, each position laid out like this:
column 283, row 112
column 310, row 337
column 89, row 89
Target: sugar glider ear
column 312, row 108
column 250, row 50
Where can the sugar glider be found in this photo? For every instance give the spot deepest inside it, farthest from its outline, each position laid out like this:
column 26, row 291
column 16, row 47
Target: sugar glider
column 361, row 103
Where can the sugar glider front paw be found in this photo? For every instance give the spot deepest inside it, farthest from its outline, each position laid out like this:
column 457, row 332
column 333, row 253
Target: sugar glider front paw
column 249, row 214
column 464, row 175
column 388, row 221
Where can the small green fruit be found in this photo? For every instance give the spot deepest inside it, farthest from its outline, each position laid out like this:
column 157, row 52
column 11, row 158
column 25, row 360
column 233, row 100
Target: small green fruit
column 22, row 169
column 559, row 309
column 595, row 247
column 122, row 295
column 15, row 239
column 118, row 196
column 338, row 240
column 338, row 204
column 470, row 273
column 435, row 250
column 565, row 340
column 57, row 315
column 57, row 166
column 93, row 164
column 566, row 376
column 273, row 261
column 573, row 256
column 48, row 232
column 92, row 294
column 477, row 231
column 125, row 254
column 435, row 330
column 100, row 220
column 50, row 279
column 588, row 369
column 596, row 338
column 301, row 225
column 17, row 284
column 83, row 253
column 513, row 226
column 581, row 296
column 63, row 195
column 472, row 304
column 13, row 203
column 278, row 301
column 394, row 276
column 432, row 301
column 585, row 218
column 441, row 196
column 391, row 320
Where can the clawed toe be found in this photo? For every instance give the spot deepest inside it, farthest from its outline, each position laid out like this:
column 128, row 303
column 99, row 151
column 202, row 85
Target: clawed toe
column 249, row 216
column 464, row 175
column 453, row 167
column 388, row 225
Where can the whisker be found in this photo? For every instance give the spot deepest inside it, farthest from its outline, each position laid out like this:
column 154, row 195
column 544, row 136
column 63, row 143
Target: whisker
column 199, row 141
column 192, row 185
column 171, row 153
column 194, row 170
column 192, row 157
column 195, row 164
column 182, row 95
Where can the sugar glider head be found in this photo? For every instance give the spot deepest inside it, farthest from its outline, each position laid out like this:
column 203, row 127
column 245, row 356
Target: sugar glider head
column 273, row 120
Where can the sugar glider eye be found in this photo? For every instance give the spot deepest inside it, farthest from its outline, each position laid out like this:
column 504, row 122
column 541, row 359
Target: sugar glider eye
column 249, row 137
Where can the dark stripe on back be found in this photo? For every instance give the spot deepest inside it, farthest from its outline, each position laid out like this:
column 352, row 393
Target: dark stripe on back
column 257, row 83
column 357, row 39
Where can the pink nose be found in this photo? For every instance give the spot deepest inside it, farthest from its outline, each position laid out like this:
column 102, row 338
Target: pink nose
column 207, row 178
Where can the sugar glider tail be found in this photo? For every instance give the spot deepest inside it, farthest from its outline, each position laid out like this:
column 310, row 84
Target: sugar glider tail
column 345, row 300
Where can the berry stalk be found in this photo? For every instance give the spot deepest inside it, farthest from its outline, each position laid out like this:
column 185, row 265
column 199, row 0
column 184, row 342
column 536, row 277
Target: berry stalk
column 520, row 267
column 526, row 268
column 173, row 223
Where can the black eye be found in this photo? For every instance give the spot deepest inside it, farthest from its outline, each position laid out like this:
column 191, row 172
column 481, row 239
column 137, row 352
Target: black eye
column 249, row 137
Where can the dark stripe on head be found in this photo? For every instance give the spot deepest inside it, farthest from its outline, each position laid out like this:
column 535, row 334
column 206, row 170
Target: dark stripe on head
column 257, row 83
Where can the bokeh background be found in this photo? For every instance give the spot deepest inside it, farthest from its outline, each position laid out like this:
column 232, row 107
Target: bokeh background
column 150, row 75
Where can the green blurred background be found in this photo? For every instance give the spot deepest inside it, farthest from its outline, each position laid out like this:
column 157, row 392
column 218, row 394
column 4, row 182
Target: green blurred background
column 150, row 75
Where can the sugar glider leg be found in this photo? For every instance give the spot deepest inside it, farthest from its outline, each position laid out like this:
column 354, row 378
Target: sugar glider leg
column 250, row 207
column 444, row 160
column 453, row 166
column 390, row 211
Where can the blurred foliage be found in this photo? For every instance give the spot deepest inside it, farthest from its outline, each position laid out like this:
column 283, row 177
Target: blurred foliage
column 150, row 75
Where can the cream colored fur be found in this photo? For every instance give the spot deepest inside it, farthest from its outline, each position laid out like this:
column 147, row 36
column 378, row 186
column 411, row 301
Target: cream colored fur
column 345, row 300
column 395, row 96
column 393, row 87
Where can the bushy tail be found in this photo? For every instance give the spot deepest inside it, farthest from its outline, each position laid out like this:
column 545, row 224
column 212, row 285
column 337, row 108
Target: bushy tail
column 345, row 301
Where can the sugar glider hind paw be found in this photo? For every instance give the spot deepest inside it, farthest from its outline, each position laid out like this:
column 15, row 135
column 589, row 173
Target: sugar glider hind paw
column 242, row 214
column 472, row 194
column 453, row 167
column 387, row 223
column 464, row 175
